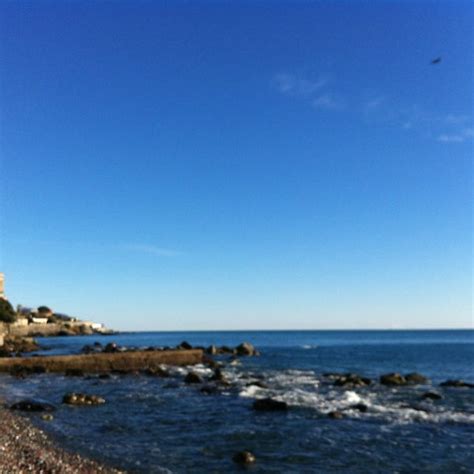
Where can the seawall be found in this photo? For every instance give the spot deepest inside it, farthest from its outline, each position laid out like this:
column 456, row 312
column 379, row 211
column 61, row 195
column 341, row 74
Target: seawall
column 104, row 362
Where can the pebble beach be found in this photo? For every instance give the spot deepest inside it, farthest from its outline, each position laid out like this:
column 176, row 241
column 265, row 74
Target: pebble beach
column 25, row 448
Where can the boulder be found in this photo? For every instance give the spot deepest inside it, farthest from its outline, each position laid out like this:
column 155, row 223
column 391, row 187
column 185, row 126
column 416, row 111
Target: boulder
column 335, row 415
column 218, row 376
column 362, row 407
column 457, row 384
column 351, row 380
column 414, row 378
column 185, row 346
column 82, row 399
column 245, row 349
column 32, row 405
column 209, row 389
column 211, row 350
column 111, row 347
column 47, row 417
column 393, row 379
column 157, row 372
column 244, row 457
column 269, row 404
column 431, row 396
column 192, row 377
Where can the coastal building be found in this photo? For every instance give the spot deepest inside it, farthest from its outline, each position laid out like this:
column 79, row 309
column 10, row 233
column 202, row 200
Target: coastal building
column 2, row 289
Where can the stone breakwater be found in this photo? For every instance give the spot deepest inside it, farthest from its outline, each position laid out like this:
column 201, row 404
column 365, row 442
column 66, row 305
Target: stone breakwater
column 25, row 448
column 102, row 362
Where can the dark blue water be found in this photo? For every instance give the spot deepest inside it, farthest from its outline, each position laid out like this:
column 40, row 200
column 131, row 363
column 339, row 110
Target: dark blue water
column 152, row 424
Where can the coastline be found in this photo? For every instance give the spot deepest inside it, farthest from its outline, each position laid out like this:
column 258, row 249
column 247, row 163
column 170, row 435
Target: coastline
column 26, row 448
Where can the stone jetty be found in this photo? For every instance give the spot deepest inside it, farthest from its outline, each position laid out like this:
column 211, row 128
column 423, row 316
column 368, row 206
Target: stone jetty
column 102, row 362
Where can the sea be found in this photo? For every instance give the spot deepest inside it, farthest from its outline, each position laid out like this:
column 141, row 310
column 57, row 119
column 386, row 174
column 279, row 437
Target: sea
column 162, row 425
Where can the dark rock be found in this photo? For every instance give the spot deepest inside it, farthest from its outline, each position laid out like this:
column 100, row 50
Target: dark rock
column 245, row 349
column 244, row 457
column 218, row 376
column 209, row 389
column 431, row 396
column 33, row 405
column 82, row 399
column 335, row 415
column 457, row 384
column 104, row 376
column 23, row 371
column 362, row 407
column 414, row 378
column 74, row 373
column 192, row 377
column 393, row 379
column 226, row 350
column 351, row 380
column 257, row 383
column 47, row 417
column 111, row 347
column 269, row 404
column 185, row 345
column 157, row 372
column 211, row 350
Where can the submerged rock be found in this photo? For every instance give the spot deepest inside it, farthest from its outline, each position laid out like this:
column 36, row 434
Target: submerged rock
column 457, row 384
column 393, row 379
column 244, row 457
column 32, row 405
column 362, row 407
column 269, row 404
column 82, row 399
column 192, row 377
column 431, row 396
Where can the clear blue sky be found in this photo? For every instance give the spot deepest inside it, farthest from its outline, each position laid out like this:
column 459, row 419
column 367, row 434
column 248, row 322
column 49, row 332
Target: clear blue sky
column 228, row 166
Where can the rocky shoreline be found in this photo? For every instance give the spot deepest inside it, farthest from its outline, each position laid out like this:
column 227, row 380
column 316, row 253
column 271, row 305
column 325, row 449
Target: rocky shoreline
column 26, row 448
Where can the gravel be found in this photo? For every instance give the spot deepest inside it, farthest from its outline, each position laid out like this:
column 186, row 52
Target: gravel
column 26, row 449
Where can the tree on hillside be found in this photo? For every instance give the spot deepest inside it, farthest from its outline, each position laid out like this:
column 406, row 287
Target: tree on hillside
column 7, row 313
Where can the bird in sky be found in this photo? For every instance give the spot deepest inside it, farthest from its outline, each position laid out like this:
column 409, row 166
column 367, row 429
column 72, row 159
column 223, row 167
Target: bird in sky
column 436, row 60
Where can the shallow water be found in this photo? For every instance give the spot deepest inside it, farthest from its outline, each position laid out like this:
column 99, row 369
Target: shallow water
column 153, row 424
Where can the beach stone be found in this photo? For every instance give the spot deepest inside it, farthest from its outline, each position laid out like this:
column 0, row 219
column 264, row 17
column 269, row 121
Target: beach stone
column 192, row 377
column 32, row 405
column 351, row 380
column 393, row 379
column 415, row 378
column 457, row 384
column 111, row 347
column 244, row 457
column 47, row 417
column 431, row 396
column 245, row 349
column 82, row 399
column 269, row 404
column 335, row 415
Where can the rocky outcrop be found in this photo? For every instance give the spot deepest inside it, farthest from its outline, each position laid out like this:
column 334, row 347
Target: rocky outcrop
column 335, row 415
column 393, row 379
column 350, row 380
column 246, row 349
column 269, row 404
column 415, row 378
column 17, row 345
column 431, row 396
column 192, row 377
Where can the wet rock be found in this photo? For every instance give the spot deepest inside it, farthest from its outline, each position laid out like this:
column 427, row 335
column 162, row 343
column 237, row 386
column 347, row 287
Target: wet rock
column 32, row 405
column 457, row 384
column 351, row 380
column 269, row 404
column 209, row 389
column 226, row 350
column 185, row 346
column 82, row 399
column 111, row 347
column 156, row 372
column 335, row 415
column 218, row 376
column 431, row 396
column 192, row 377
column 257, row 383
column 47, row 417
column 74, row 373
column 362, row 407
column 245, row 349
column 104, row 376
column 414, row 378
column 393, row 379
column 244, row 457
column 23, row 371
column 211, row 350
